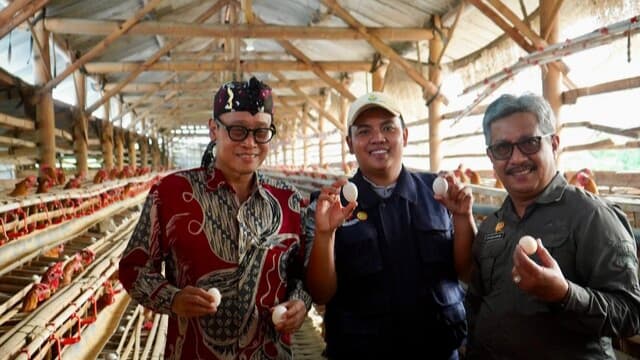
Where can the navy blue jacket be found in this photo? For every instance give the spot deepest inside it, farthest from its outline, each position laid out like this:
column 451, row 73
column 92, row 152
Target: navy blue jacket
column 397, row 290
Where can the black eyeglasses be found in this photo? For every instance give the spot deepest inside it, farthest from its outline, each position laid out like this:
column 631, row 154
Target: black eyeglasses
column 239, row 133
column 504, row 149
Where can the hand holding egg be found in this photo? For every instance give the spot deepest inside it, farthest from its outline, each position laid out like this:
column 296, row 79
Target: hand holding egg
column 350, row 191
column 217, row 297
column 278, row 312
column 529, row 244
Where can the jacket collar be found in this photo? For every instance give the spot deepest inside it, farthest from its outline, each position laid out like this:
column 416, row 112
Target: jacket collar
column 405, row 188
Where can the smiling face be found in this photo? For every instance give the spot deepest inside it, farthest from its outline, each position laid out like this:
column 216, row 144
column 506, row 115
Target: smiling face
column 377, row 139
column 524, row 176
column 237, row 159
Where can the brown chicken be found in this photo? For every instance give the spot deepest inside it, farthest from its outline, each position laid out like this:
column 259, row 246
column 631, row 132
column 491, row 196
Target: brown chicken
column 100, row 176
column 22, row 188
column 54, row 252
column 44, row 183
column 61, row 178
column 474, row 178
column 74, row 183
column 460, row 174
column 72, row 268
column 586, row 182
column 46, row 171
column 573, row 180
column 37, row 294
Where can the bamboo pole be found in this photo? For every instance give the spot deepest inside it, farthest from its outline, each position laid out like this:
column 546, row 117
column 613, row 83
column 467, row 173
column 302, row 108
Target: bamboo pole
column 101, row 47
column 323, row 103
column 131, row 149
column 240, row 31
column 384, row 49
column 21, row 15
column 571, row 96
column 80, row 134
column 155, row 57
column 305, row 140
column 45, row 116
column 436, row 47
column 119, row 137
column 106, row 140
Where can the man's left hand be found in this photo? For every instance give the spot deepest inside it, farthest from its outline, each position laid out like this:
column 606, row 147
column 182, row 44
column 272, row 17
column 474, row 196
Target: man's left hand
column 294, row 317
column 545, row 280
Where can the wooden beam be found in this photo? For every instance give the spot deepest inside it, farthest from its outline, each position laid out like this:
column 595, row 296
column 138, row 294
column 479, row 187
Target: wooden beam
column 384, row 49
column 630, row 133
column 155, row 57
column 241, row 31
column 571, row 96
column 19, row 16
column 312, row 102
column 598, row 145
column 553, row 17
column 198, row 87
column 11, row 141
column 15, row 122
column 498, row 20
column 317, row 69
column 100, row 48
column 246, row 66
column 11, row 10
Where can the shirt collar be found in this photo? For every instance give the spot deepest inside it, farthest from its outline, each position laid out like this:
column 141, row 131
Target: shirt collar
column 215, row 180
column 405, row 187
column 552, row 193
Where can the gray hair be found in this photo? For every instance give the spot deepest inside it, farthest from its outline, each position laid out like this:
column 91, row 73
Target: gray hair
column 507, row 105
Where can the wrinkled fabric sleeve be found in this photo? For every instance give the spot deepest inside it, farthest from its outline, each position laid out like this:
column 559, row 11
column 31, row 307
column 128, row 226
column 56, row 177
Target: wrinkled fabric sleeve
column 140, row 269
column 296, row 285
column 609, row 303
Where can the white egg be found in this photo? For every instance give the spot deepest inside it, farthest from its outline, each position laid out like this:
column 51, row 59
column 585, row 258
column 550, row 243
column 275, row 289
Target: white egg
column 111, row 356
column 529, row 244
column 36, row 278
column 217, row 297
column 440, row 186
column 350, row 191
column 278, row 311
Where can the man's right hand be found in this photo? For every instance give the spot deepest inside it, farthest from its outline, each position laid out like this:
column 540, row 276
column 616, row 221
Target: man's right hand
column 192, row 301
column 329, row 211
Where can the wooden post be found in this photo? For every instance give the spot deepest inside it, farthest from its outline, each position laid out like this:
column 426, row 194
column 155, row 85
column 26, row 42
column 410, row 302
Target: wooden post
column 106, row 140
column 435, row 117
column 323, row 103
column 344, row 150
column 80, row 133
column 305, row 140
column 155, row 153
column 45, row 115
column 552, row 77
column 119, row 135
column 294, row 136
column 378, row 74
column 131, row 150
column 144, row 150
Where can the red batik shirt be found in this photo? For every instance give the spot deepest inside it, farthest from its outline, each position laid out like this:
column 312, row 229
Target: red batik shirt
column 193, row 224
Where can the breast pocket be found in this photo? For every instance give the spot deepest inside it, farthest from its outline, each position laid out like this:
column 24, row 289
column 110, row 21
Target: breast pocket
column 489, row 253
column 558, row 243
column 356, row 251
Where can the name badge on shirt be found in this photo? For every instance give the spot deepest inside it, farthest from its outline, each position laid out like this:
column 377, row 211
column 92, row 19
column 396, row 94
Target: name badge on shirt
column 494, row 236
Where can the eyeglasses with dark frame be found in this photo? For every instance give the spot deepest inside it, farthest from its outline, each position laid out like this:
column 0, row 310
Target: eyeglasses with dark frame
column 503, row 150
column 239, row 133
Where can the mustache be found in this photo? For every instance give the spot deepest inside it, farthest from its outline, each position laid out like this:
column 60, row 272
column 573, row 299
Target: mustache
column 517, row 168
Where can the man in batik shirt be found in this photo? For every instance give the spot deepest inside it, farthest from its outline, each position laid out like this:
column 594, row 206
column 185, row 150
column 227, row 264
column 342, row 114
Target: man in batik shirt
column 225, row 226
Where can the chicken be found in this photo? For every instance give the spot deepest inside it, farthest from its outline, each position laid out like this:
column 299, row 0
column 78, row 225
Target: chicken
column 46, row 171
column 474, row 178
column 126, row 172
column 44, row 183
column 113, row 173
column 61, row 178
column 72, row 268
column 86, row 256
column 53, row 275
column 74, row 183
column 22, row 188
column 586, row 182
column 460, row 174
column 100, row 176
column 54, row 252
column 38, row 293
column 573, row 180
